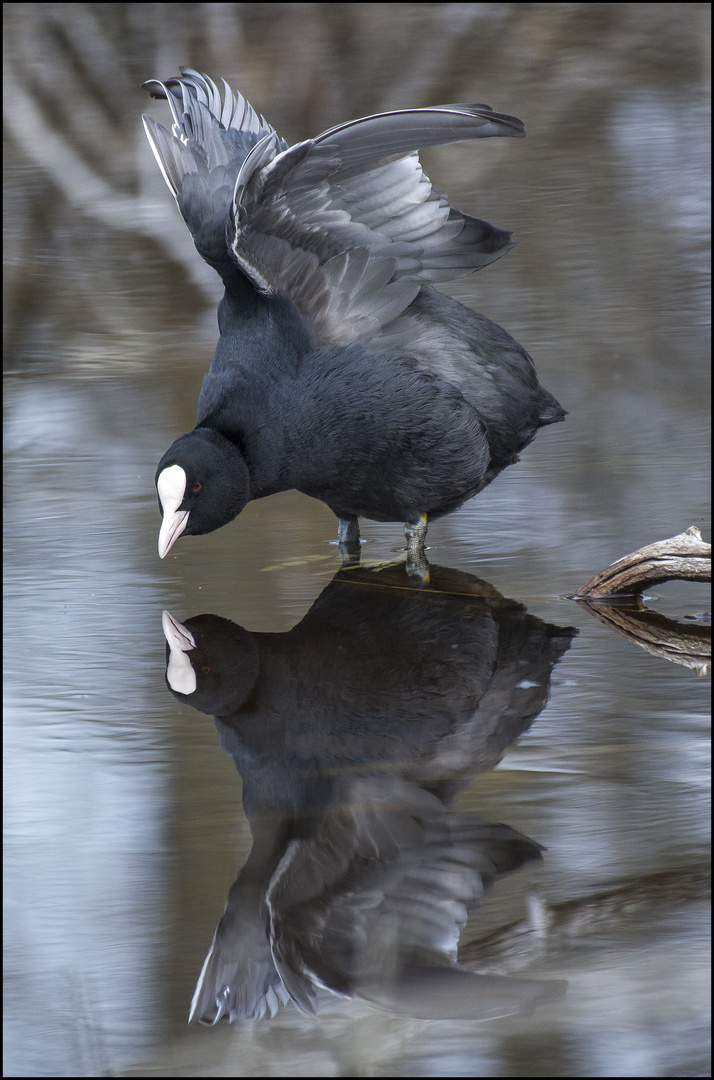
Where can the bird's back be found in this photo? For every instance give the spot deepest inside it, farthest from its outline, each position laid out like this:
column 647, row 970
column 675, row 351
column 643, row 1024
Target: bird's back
column 493, row 372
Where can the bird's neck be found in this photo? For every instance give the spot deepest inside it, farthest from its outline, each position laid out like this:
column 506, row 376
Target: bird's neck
column 246, row 393
column 260, row 332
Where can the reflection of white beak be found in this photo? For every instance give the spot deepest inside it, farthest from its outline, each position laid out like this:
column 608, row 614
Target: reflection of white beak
column 171, row 487
column 179, row 674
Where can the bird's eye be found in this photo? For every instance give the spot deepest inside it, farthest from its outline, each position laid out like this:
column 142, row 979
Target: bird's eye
column 197, row 486
column 206, row 670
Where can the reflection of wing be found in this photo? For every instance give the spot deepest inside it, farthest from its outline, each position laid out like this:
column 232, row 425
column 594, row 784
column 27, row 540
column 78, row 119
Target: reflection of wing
column 346, row 225
column 238, row 978
column 379, row 896
column 371, row 903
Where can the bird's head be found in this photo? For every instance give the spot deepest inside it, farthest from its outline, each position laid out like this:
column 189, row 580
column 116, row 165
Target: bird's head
column 202, row 482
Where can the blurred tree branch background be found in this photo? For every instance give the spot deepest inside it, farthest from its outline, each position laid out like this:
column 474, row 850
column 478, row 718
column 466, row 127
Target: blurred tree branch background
column 77, row 169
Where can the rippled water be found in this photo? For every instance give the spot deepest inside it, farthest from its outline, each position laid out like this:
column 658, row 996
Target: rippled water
column 124, row 827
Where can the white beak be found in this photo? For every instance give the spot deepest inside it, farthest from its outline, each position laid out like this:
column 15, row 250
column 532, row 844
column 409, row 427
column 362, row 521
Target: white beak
column 180, row 675
column 171, row 487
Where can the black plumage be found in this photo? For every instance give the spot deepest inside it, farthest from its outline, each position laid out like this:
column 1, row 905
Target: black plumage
column 340, row 371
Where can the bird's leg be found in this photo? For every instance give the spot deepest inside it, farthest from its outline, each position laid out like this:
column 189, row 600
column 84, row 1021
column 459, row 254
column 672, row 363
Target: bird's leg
column 348, row 540
column 417, row 564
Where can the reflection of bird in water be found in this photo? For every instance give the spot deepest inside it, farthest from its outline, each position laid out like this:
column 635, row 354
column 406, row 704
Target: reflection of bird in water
column 352, row 732
column 340, row 370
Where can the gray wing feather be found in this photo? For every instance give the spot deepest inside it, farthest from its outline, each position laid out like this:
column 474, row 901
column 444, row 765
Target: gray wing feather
column 347, row 225
column 360, row 185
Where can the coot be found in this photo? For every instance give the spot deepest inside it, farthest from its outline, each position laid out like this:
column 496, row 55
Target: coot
column 340, row 371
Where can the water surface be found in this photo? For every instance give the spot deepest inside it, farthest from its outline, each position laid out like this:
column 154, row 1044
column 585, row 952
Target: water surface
column 124, row 827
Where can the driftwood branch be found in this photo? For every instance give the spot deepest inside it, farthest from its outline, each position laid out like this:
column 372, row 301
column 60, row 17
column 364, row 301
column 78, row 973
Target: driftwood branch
column 683, row 557
column 613, row 597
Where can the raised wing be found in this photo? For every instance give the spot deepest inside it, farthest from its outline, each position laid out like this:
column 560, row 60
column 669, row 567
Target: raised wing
column 211, row 136
column 347, row 225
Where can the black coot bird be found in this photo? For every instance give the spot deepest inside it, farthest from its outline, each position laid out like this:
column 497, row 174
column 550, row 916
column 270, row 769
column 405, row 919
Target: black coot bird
column 340, row 371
